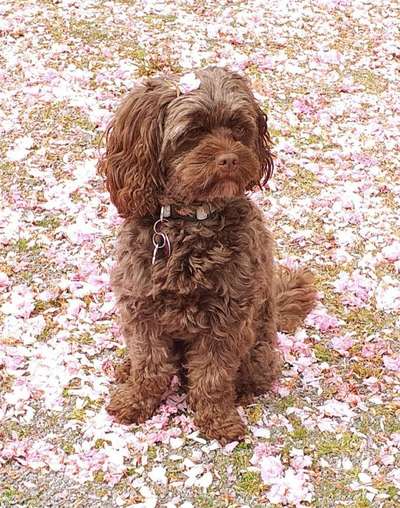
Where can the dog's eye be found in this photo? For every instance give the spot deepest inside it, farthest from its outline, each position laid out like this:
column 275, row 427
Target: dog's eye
column 194, row 132
column 239, row 132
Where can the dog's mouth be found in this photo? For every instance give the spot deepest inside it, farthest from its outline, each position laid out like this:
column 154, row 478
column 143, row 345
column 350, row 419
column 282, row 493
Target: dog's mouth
column 215, row 182
column 228, row 188
column 216, row 168
column 225, row 181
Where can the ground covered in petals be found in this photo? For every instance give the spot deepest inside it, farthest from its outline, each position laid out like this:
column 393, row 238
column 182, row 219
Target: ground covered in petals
column 327, row 72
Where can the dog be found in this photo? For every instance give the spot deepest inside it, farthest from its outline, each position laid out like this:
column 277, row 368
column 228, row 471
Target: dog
column 196, row 286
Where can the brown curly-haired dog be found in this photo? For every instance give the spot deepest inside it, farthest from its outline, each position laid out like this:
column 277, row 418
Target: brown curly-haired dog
column 197, row 291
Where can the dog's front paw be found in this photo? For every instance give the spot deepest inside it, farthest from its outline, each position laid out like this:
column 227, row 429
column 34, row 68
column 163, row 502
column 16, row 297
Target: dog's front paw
column 127, row 406
column 224, row 428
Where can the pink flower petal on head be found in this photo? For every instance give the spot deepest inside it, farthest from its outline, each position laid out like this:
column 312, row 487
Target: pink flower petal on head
column 188, row 83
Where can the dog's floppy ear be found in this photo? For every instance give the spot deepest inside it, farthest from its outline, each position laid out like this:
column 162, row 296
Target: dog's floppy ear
column 263, row 146
column 131, row 162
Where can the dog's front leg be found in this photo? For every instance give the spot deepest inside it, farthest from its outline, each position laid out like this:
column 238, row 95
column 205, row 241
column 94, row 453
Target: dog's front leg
column 212, row 368
column 151, row 369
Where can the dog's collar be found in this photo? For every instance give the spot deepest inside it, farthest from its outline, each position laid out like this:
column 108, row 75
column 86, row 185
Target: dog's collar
column 161, row 242
column 189, row 213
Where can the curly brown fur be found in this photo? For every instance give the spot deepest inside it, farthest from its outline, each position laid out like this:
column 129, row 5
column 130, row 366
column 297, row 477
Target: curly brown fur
column 295, row 295
column 213, row 305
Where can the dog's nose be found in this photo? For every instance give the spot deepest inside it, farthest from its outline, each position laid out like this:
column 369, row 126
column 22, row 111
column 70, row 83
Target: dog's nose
column 227, row 161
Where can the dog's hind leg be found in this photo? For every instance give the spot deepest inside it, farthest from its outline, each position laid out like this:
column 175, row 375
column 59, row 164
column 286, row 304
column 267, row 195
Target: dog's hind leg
column 262, row 364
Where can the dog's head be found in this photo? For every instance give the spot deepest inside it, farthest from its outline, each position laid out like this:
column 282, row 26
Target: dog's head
column 167, row 146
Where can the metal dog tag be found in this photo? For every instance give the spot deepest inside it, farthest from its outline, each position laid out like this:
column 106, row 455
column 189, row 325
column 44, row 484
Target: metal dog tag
column 160, row 241
column 153, row 259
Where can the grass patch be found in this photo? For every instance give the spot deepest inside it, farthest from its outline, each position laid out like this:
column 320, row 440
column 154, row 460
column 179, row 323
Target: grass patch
column 46, row 333
column 160, row 21
column 90, row 32
column 121, row 352
column 42, row 305
column 302, row 184
column 174, row 471
column 9, row 496
column 22, row 245
column 78, row 414
column 68, row 448
column 51, row 222
column 152, row 452
column 22, row 431
column 255, row 413
column 323, row 353
column 361, row 501
column 333, row 445
column 373, row 83
column 366, row 321
column 101, row 443
column 281, row 405
column 249, row 483
column 85, row 339
column 331, row 491
column 219, row 500
column 61, row 116
column 204, row 501
column 7, row 381
column 8, row 171
column 299, row 433
column 362, row 370
column 99, row 476
column 74, row 383
column 152, row 64
column 389, row 414
column 241, row 456
column 391, row 491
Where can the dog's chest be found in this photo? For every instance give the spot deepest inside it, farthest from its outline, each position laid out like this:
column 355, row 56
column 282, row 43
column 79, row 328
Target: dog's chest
column 200, row 298
column 210, row 279
column 199, row 260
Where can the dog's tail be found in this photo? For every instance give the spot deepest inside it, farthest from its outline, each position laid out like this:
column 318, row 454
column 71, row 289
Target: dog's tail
column 296, row 296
